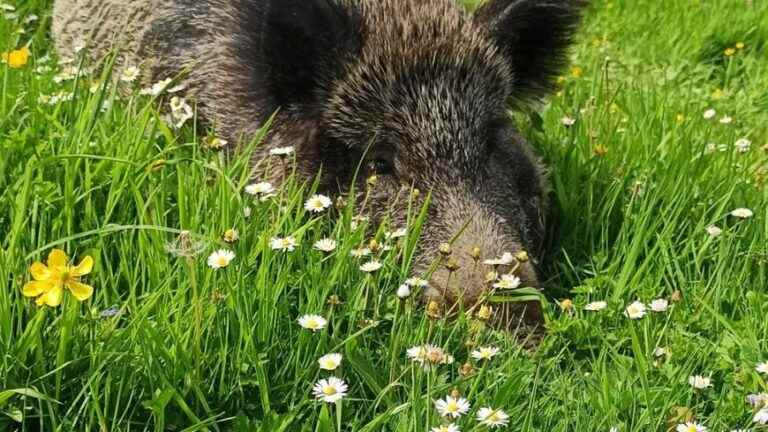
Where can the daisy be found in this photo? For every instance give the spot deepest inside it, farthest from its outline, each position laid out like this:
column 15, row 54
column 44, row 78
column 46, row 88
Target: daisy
column 761, row 416
column 312, row 322
column 130, row 74
column 404, row 291
column 424, row 354
column 330, row 361
column 699, row 382
column 726, row 119
column 317, row 203
column 360, row 252
column 568, row 121
column 508, row 281
column 758, row 400
column 180, row 111
column 492, row 418
column 325, row 245
column 330, row 390
column 281, row 151
column 451, row 406
column 416, row 282
column 742, row 213
column 635, row 311
column 660, row 352
column 220, row 259
column 398, row 233
column 691, row 427
column 596, row 306
column 714, row 231
column 231, row 235
column 742, row 145
column 157, row 88
column 505, row 259
column 370, row 266
column 659, row 305
column 762, row 367
column 262, row 188
column 446, row 428
column 287, row 244
column 710, row 114
column 485, row 353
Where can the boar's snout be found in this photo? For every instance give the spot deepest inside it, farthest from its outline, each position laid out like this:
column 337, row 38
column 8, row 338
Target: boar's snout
column 484, row 248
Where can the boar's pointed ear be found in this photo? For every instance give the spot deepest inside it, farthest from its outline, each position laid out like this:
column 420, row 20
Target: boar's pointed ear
column 302, row 45
column 534, row 35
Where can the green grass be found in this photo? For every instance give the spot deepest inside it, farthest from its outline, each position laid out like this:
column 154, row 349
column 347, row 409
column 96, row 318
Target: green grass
column 194, row 349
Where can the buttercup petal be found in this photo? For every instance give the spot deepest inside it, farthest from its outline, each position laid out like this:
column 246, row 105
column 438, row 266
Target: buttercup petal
column 81, row 291
column 35, row 288
column 39, row 271
column 57, row 258
column 85, row 267
column 52, row 298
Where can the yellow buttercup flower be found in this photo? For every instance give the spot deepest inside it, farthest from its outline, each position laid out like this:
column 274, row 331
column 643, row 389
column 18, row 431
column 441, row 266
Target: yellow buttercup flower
column 17, row 58
column 50, row 280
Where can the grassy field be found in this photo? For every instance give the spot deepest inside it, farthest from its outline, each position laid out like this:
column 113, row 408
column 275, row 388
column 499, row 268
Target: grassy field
column 640, row 182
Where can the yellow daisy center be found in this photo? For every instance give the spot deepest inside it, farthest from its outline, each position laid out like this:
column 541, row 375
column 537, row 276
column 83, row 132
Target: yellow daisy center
column 331, row 390
column 691, row 429
column 221, row 261
column 312, row 323
column 452, row 406
column 494, row 416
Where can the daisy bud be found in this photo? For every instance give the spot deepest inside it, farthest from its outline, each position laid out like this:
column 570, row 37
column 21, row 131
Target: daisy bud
column 444, row 249
column 600, row 150
column 485, row 313
column 475, row 253
column 231, row 235
column 334, row 300
column 415, row 193
column 372, row 181
column 466, row 369
column 522, row 256
column 566, row 305
column 433, row 309
column 676, row 296
column 374, row 246
column 455, row 394
column 491, row 276
column 452, row 265
column 404, row 291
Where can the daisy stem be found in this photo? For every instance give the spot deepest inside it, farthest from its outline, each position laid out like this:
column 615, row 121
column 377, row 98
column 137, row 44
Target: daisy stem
column 478, row 380
column 338, row 415
column 198, row 316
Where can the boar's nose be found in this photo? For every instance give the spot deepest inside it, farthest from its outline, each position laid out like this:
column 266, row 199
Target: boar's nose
column 466, row 275
column 465, row 279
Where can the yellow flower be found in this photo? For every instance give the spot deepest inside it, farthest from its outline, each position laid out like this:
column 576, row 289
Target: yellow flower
column 739, row 45
column 51, row 279
column 17, row 58
column 577, row 71
column 730, row 52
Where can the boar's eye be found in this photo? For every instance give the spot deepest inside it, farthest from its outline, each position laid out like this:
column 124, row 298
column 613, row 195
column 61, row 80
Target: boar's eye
column 381, row 167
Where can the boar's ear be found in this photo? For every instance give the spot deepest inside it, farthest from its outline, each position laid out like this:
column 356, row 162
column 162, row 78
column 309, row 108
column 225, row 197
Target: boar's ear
column 301, row 45
column 534, row 35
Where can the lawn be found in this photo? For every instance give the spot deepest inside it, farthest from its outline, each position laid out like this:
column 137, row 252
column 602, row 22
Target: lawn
column 657, row 143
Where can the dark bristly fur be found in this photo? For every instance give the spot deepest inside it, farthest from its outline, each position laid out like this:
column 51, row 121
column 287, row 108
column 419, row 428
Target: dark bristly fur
column 420, row 88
